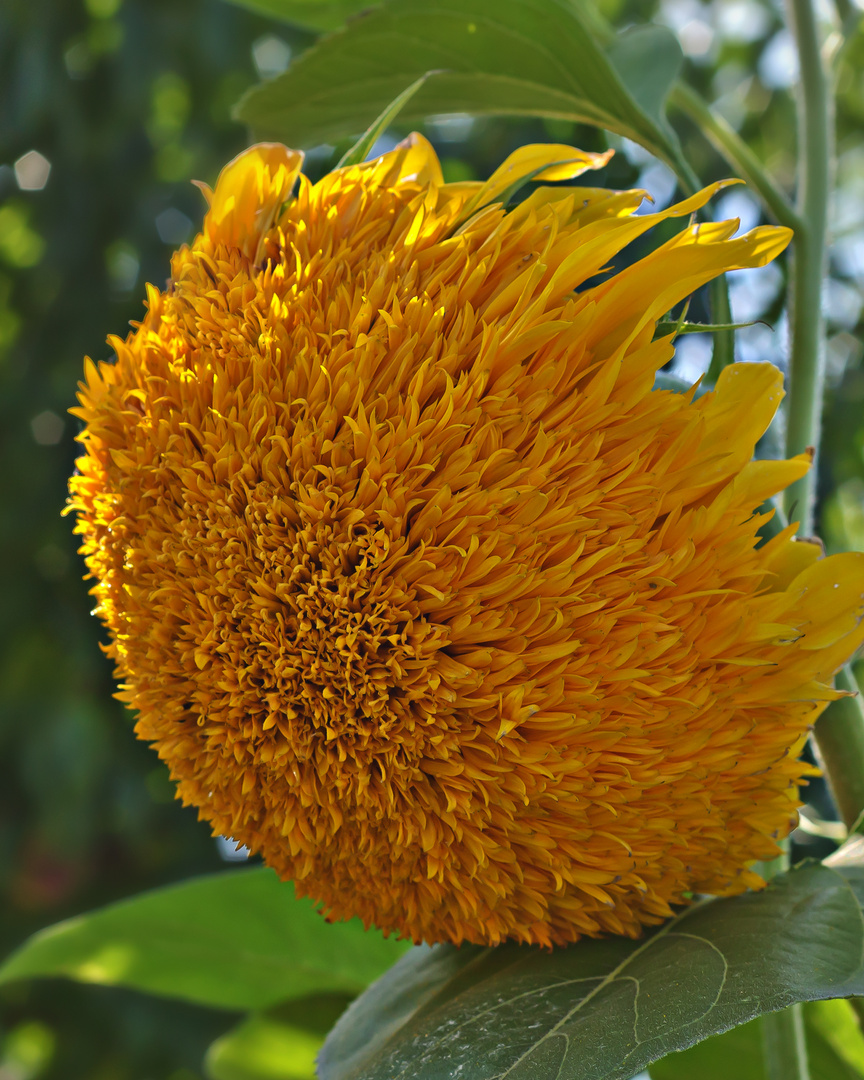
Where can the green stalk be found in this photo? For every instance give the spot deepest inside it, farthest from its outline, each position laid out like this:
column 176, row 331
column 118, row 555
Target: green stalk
column 807, row 353
column 840, row 729
column 729, row 144
column 783, row 1044
column 724, row 340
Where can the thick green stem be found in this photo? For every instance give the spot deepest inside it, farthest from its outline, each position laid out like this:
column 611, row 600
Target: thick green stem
column 840, row 739
column 729, row 144
column 783, row 1044
column 840, row 729
column 807, row 347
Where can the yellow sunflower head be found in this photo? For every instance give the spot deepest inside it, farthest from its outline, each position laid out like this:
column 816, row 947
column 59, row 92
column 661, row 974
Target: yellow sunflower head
column 419, row 587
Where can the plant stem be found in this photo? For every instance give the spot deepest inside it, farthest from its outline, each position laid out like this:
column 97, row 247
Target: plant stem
column 807, row 353
column 840, row 730
column 724, row 340
column 729, row 144
column 783, row 1045
column 840, row 739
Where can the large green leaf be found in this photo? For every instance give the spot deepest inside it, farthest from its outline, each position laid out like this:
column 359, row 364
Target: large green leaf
column 237, row 940
column 518, row 57
column 603, row 1010
column 835, row 1050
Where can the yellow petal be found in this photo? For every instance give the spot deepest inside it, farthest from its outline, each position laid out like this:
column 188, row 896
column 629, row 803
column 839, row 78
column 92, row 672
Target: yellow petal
column 412, row 160
column 588, row 204
column 249, row 193
column 759, row 480
column 643, row 292
column 789, row 558
column 561, row 163
column 601, row 238
column 737, row 413
column 829, row 599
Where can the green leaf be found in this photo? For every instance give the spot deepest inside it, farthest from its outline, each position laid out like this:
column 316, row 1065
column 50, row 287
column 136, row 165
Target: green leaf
column 359, row 151
column 263, row 1048
column 835, row 1050
column 315, row 15
column 493, row 57
column 236, row 940
column 280, row 1044
column 834, row 1023
column 603, row 1010
column 647, row 60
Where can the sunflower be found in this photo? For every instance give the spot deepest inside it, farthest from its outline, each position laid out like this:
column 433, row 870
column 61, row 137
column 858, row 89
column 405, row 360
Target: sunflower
column 420, row 588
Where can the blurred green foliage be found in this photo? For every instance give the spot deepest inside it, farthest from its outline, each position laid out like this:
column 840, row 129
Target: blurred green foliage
column 127, row 100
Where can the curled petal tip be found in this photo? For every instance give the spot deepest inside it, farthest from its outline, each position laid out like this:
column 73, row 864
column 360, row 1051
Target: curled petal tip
column 249, row 192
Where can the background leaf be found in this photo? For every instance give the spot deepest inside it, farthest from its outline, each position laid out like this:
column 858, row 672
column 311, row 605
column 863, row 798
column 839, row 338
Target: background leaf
column 237, row 940
column 517, row 57
column 647, row 60
column 603, row 1010
column 835, row 1049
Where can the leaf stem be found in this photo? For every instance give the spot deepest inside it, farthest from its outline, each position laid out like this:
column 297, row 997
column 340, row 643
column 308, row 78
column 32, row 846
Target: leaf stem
column 729, row 144
column 807, row 352
column 783, row 1045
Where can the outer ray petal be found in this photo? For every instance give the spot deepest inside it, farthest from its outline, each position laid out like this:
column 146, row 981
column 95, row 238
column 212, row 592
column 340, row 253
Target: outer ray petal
column 412, row 161
column 541, row 161
column 249, row 192
column 682, row 265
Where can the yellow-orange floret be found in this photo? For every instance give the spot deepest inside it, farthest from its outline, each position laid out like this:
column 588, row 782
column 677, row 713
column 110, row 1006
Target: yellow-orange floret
column 419, row 587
